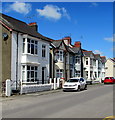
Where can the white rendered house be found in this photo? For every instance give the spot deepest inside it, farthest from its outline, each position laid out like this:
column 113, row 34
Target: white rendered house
column 29, row 55
column 94, row 66
column 110, row 67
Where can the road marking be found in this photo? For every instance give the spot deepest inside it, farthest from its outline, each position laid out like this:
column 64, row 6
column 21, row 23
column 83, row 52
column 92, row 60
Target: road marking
column 109, row 118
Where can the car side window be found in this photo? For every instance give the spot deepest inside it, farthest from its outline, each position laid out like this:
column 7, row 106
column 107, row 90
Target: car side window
column 81, row 79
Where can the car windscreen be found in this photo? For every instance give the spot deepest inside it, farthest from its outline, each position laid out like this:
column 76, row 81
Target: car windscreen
column 73, row 80
column 107, row 78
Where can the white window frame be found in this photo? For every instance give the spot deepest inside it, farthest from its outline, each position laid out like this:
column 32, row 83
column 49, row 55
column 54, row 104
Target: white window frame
column 25, row 71
column 86, row 61
column 60, row 73
column 43, row 50
column 77, row 60
column 77, row 73
column 26, row 44
column 86, row 74
column 59, row 55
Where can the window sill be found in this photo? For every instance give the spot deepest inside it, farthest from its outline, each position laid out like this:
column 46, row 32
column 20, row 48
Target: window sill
column 60, row 61
column 29, row 83
column 30, row 54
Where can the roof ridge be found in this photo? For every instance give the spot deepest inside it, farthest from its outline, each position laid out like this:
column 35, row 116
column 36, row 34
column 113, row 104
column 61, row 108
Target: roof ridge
column 13, row 18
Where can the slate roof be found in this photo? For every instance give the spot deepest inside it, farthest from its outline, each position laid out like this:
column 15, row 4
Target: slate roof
column 113, row 59
column 70, row 50
column 97, row 56
column 103, row 59
column 87, row 53
column 22, row 27
column 75, row 49
column 56, row 43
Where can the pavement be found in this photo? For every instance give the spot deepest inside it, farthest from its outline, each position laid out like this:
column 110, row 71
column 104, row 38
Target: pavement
column 15, row 96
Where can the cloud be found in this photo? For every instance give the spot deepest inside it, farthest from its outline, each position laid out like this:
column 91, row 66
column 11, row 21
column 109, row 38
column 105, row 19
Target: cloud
column 98, row 52
column 93, row 4
column 53, row 12
column 20, row 7
column 109, row 39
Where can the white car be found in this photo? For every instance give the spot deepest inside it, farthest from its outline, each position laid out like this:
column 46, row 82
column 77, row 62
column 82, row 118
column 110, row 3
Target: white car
column 75, row 84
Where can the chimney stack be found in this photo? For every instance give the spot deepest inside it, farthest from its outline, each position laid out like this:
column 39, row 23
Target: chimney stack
column 34, row 26
column 77, row 44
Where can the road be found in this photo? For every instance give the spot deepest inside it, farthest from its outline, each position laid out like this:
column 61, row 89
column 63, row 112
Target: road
column 95, row 102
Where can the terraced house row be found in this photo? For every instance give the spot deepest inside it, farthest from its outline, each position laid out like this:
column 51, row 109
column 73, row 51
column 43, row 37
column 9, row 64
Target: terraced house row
column 30, row 59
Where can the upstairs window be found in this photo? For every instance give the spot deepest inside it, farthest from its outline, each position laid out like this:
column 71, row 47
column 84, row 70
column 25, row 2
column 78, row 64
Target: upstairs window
column 43, row 51
column 24, row 45
column 86, row 61
column 77, row 59
column 32, row 46
column 59, row 55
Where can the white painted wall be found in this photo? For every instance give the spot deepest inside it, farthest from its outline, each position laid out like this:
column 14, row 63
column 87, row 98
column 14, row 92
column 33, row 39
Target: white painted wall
column 13, row 59
column 110, row 69
column 27, row 58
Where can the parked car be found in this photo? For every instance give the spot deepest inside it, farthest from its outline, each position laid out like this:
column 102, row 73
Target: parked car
column 109, row 80
column 89, row 82
column 75, row 84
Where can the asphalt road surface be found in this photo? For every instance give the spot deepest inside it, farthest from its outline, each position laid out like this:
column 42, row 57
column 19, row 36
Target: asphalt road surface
column 95, row 102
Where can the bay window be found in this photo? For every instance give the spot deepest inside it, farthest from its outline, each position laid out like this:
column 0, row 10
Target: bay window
column 29, row 73
column 30, row 46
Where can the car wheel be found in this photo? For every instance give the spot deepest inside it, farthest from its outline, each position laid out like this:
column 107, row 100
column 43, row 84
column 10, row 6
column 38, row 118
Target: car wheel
column 63, row 90
column 79, row 88
column 85, row 87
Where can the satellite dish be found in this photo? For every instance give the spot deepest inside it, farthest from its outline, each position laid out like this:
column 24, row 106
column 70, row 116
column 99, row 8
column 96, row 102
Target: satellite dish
column 5, row 36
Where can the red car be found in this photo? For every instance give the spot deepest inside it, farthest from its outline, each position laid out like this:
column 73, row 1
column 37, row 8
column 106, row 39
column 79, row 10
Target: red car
column 109, row 80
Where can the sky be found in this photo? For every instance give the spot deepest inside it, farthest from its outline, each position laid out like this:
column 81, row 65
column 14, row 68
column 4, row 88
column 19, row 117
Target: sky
column 88, row 22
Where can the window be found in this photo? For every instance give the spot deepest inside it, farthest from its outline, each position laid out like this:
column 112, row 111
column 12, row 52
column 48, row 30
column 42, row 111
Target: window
column 91, row 73
column 59, row 55
column 86, row 74
column 43, row 51
column 77, row 74
column 23, row 73
column 91, row 61
column 32, row 46
column 23, row 45
column 81, row 79
column 95, row 74
column 73, row 80
column 77, row 59
column 59, row 73
column 29, row 73
column 98, row 74
column 94, row 62
column 86, row 61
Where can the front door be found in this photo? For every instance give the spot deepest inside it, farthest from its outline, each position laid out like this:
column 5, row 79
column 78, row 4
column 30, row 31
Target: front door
column 43, row 74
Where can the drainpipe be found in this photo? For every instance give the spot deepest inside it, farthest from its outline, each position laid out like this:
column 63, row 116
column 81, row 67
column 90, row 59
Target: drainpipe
column 65, row 66
column 17, row 62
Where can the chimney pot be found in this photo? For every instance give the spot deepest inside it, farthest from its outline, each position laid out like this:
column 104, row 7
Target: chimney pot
column 77, row 44
column 34, row 26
